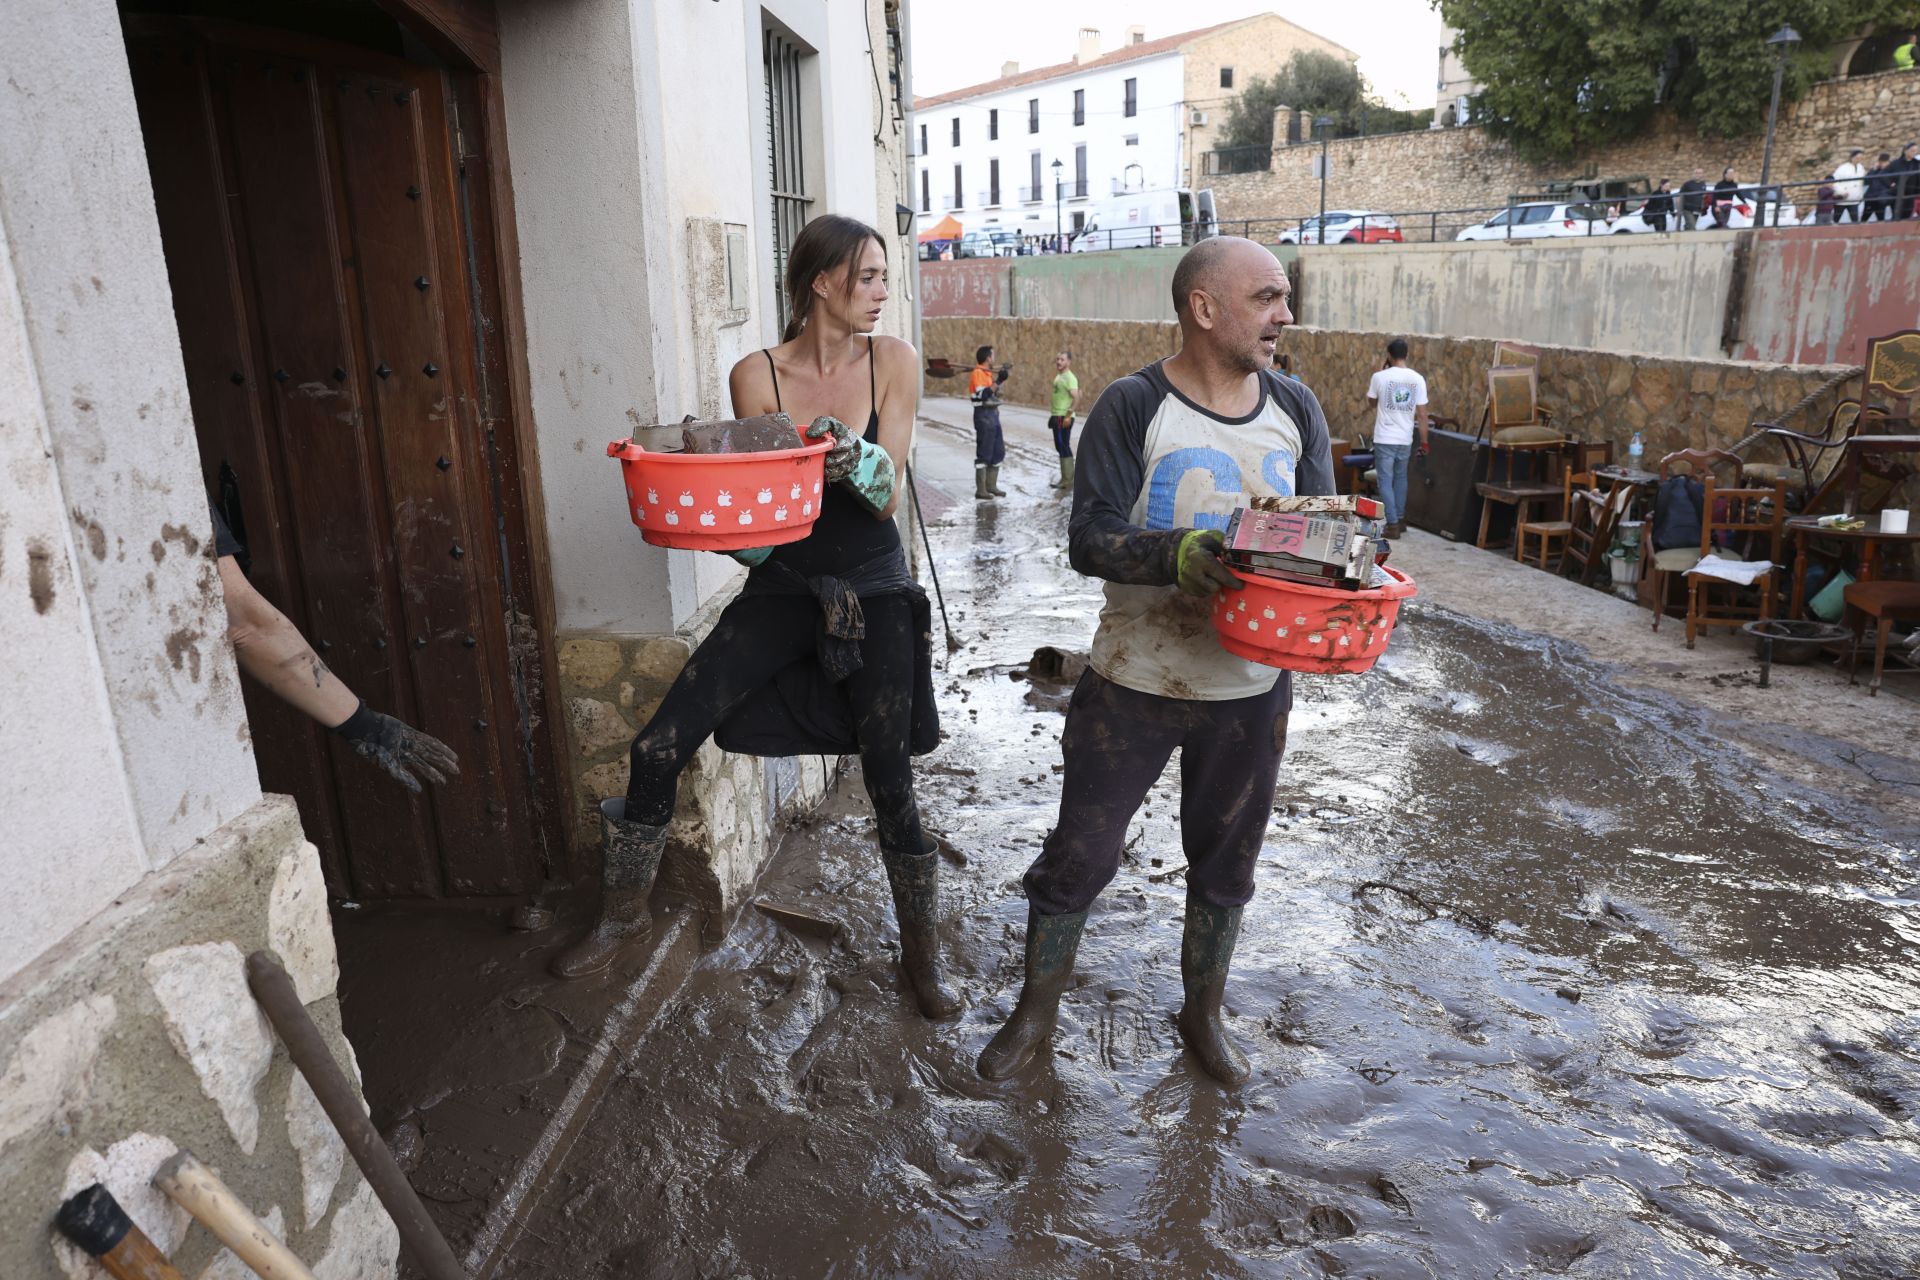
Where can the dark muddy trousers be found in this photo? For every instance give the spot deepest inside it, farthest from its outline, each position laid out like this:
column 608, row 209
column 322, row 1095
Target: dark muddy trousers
column 1116, row 744
column 755, row 637
column 1061, row 424
column 989, row 444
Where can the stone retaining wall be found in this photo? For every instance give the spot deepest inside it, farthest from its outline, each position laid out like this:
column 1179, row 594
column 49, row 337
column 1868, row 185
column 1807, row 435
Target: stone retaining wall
column 136, row 1036
column 1598, row 395
column 1461, row 168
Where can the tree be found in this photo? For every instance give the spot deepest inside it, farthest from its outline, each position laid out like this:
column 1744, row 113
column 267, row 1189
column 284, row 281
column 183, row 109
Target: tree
column 1318, row 84
column 1560, row 76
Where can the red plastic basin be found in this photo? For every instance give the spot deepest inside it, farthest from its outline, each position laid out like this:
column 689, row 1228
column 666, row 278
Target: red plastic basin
column 1306, row 628
column 723, row 501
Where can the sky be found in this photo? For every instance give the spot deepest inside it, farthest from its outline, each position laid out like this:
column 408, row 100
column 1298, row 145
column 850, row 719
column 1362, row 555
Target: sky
column 1398, row 40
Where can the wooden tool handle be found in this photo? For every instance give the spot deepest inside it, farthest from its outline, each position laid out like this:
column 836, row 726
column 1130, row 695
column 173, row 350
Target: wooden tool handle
column 94, row 1221
column 419, row 1237
column 199, row 1191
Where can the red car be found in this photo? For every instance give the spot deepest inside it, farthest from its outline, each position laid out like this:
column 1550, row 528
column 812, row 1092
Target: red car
column 1354, row 226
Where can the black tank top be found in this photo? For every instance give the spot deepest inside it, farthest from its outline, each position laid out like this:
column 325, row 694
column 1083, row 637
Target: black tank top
column 846, row 534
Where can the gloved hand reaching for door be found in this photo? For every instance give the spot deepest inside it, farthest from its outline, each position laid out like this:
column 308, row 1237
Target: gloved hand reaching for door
column 863, row 466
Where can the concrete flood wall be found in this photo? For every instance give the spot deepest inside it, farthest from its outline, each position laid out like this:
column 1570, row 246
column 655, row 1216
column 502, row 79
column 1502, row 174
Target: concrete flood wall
column 1598, row 395
column 1802, row 295
column 1818, row 294
column 1657, row 294
column 1121, row 284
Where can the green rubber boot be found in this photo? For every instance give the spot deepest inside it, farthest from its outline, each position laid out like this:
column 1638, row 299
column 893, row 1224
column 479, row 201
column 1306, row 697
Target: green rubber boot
column 1066, row 474
column 1052, row 944
column 993, row 482
column 1206, row 952
column 915, row 879
column 632, row 856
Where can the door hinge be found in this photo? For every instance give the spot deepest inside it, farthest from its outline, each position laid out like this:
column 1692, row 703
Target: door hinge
column 460, row 152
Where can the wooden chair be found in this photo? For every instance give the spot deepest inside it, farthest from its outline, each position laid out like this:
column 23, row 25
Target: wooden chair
column 1753, row 519
column 1658, row 564
column 1553, row 533
column 1591, row 520
column 1892, row 383
column 1886, row 603
column 1514, row 422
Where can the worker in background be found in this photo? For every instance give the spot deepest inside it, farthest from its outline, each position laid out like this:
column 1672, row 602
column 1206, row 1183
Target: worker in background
column 1904, row 55
column 272, row 651
column 989, row 444
column 1066, row 394
column 1167, row 455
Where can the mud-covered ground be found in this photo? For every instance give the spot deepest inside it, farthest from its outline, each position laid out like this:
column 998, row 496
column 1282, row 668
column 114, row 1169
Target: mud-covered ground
column 1542, row 979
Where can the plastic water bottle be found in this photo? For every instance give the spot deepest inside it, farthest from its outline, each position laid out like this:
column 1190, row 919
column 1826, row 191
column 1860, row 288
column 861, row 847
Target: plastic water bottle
column 1635, row 448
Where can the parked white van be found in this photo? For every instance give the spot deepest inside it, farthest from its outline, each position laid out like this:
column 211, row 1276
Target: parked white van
column 1139, row 219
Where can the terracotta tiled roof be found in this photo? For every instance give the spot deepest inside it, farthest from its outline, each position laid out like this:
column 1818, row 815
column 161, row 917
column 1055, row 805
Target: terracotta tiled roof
column 1126, row 53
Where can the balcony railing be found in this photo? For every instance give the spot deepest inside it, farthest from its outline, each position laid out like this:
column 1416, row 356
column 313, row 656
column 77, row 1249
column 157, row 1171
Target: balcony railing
column 1076, row 190
column 988, row 199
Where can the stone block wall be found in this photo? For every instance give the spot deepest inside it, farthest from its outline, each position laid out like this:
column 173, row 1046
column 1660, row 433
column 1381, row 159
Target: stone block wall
column 730, row 806
column 1463, row 168
column 1597, row 395
column 135, row 1037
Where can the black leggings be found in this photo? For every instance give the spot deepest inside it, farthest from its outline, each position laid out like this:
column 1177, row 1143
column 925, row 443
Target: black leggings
column 756, row 637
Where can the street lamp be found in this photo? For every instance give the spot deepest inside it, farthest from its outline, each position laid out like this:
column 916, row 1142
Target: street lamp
column 1324, row 124
column 1782, row 41
column 903, row 217
column 1058, row 246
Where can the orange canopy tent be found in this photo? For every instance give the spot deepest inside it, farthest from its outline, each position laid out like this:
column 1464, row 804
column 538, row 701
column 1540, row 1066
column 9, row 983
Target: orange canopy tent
column 945, row 229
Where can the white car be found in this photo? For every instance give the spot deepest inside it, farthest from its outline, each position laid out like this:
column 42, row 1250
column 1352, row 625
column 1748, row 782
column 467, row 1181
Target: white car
column 1347, row 226
column 1545, row 221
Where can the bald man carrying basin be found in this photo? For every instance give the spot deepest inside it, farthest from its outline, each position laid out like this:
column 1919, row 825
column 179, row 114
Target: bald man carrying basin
column 1166, row 456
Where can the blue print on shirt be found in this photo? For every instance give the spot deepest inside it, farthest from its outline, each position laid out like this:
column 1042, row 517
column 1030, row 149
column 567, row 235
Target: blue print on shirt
column 1164, row 487
column 1277, row 469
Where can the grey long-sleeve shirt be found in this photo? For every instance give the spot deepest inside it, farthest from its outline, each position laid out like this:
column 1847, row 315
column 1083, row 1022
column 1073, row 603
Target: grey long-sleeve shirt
column 1152, row 465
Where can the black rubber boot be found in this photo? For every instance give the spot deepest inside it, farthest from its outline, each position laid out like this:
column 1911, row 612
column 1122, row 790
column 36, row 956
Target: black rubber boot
column 1052, row 944
column 1206, row 952
column 993, row 481
column 632, row 856
column 980, row 489
column 915, row 879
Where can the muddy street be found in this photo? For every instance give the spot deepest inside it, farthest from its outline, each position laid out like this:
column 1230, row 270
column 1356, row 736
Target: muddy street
column 1543, row 977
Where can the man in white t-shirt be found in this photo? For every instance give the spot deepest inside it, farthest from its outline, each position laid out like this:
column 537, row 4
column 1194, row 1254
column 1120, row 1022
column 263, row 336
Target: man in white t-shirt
column 1399, row 399
column 1850, row 186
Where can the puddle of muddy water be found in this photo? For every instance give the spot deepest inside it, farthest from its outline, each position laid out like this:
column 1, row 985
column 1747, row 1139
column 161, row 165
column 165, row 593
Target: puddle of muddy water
column 1611, row 1003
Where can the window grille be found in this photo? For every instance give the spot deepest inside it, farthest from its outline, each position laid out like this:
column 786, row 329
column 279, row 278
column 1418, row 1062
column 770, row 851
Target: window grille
column 788, row 171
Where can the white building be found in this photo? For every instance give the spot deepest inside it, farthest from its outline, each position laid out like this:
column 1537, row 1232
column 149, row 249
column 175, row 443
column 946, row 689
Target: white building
column 1134, row 118
column 405, row 268
column 1455, row 87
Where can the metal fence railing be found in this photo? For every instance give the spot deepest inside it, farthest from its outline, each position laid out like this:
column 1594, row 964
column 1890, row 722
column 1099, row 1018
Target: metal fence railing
column 1782, row 204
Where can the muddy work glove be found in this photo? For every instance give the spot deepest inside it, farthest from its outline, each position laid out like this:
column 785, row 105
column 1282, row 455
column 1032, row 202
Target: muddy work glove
column 864, row 467
column 1198, row 567
column 407, row 754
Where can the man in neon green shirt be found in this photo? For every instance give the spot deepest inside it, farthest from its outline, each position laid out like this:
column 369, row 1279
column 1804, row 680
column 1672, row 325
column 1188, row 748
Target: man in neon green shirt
column 1903, row 56
column 1066, row 393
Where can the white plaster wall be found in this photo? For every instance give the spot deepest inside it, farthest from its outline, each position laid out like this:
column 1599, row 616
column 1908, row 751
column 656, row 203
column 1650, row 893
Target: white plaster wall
column 98, row 319
column 585, row 203
column 1159, row 124
column 67, row 858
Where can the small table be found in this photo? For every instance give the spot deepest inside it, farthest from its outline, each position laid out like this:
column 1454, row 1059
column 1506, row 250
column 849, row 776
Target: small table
column 1870, row 540
column 1521, row 496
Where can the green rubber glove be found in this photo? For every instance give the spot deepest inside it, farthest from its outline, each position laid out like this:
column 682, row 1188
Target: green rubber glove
column 864, row 467
column 1197, row 564
column 750, row 556
column 846, row 445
